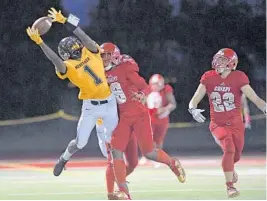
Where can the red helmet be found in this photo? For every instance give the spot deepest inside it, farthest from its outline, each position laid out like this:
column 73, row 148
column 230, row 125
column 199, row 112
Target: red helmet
column 110, row 54
column 225, row 58
column 156, row 82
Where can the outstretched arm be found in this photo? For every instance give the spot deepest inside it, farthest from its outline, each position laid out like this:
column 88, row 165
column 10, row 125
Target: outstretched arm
column 246, row 111
column 50, row 54
column 72, row 23
column 251, row 95
column 245, row 105
column 86, row 40
column 198, row 96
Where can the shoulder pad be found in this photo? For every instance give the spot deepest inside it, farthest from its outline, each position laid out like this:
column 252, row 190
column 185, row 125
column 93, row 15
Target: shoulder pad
column 129, row 63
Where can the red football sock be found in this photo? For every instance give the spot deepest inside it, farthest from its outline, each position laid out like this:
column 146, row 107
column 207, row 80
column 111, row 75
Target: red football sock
column 229, row 184
column 163, row 157
column 119, row 170
column 110, row 178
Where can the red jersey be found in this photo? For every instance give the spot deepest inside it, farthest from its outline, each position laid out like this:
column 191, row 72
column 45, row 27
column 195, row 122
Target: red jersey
column 124, row 80
column 157, row 100
column 225, row 95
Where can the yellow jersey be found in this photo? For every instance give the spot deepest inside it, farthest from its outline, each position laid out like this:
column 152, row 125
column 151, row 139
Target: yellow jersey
column 88, row 75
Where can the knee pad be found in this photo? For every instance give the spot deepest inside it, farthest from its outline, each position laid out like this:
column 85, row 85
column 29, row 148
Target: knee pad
column 116, row 154
column 151, row 155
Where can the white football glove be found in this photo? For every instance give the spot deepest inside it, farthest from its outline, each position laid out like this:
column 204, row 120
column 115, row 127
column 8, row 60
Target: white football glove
column 196, row 113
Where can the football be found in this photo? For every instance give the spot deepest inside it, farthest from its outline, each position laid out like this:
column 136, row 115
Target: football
column 43, row 25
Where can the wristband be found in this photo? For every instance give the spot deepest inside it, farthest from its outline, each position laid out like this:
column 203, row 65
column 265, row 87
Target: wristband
column 72, row 22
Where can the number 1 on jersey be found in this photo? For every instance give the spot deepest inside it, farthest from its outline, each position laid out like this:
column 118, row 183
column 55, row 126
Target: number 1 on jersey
column 96, row 79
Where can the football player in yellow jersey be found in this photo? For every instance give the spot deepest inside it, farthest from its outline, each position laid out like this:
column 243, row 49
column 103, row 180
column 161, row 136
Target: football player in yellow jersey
column 82, row 64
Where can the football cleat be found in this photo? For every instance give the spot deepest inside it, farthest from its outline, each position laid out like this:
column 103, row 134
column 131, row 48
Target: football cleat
column 232, row 192
column 60, row 165
column 117, row 196
column 178, row 170
column 235, row 177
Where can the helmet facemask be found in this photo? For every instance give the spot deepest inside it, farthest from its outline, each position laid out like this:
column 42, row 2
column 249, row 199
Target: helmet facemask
column 220, row 64
column 224, row 63
column 76, row 51
column 106, row 56
column 70, row 48
column 110, row 54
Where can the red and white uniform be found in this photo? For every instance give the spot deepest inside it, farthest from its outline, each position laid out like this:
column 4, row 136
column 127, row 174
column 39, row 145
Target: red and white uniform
column 225, row 106
column 124, row 80
column 160, row 123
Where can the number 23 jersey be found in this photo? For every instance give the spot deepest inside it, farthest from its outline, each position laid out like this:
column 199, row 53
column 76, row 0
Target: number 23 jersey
column 88, row 75
column 225, row 95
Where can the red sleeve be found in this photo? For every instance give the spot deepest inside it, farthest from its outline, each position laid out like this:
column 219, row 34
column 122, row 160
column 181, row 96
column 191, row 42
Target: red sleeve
column 203, row 79
column 243, row 80
column 168, row 89
column 136, row 79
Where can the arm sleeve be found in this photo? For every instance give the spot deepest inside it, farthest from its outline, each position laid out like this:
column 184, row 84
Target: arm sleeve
column 203, row 79
column 86, row 40
column 61, row 75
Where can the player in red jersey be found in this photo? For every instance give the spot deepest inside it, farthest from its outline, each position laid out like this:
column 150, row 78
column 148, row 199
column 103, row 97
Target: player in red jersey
column 127, row 85
column 160, row 102
column 224, row 86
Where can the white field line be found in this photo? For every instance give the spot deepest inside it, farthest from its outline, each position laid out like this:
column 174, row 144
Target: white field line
column 44, row 178
column 154, row 191
column 50, row 179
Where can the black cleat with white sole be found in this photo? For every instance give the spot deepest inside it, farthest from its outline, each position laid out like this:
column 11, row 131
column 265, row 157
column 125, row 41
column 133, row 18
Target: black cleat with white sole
column 60, row 165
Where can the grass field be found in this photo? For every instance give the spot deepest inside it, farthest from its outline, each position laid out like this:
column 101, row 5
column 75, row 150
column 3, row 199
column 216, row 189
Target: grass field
column 204, row 181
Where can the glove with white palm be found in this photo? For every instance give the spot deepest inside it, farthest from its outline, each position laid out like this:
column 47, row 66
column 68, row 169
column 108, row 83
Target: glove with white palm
column 196, row 113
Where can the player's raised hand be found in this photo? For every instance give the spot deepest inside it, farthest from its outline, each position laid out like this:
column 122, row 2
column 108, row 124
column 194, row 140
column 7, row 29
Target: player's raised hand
column 196, row 113
column 57, row 16
column 34, row 35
